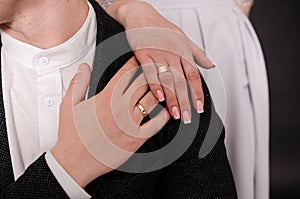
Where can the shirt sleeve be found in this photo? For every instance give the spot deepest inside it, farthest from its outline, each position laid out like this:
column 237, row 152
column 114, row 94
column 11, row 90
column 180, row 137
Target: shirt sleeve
column 69, row 185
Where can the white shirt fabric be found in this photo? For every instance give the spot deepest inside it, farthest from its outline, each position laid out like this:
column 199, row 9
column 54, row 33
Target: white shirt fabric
column 34, row 83
column 228, row 36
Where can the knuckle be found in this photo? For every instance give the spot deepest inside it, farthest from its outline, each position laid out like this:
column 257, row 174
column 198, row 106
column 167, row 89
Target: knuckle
column 167, row 80
column 184, row 105
column 193, row 75
column 122, row 72
column 198, row 92
column 133, row 143
column 171, row 100
column 179, row 82
column 72, row 83
column 154, row 86
column 148, row 71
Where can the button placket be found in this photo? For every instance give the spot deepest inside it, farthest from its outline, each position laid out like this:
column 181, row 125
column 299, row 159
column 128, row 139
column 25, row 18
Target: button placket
column 49, row 87
column 49, row 102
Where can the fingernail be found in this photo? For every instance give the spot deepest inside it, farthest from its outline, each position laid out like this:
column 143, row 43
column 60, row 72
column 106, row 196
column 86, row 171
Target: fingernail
column 199, row 106
column 175, row 113
column 160, row 96
column 214, row 64
column 81, row 68
column 186, row 117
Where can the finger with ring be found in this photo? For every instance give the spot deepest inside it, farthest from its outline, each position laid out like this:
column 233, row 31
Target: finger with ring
column 163, row 69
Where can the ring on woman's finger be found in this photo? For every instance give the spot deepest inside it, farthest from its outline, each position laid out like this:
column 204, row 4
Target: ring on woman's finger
column 142, row 109
column 163, row 69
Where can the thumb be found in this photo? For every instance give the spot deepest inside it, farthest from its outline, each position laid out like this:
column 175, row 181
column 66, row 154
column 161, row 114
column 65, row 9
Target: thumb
column 78, row 86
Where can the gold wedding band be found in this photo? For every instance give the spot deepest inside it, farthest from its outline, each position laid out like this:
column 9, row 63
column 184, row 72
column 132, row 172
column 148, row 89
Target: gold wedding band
column 142, row 109
column 163, row 69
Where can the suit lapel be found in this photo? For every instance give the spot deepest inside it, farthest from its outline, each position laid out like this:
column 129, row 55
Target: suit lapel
column 6, row 172
column 109, row 56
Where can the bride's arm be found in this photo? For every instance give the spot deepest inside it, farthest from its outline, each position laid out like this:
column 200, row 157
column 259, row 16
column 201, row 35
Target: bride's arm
column 112, row 6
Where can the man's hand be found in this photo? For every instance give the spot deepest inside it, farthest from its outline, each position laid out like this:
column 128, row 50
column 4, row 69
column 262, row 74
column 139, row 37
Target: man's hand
column 99, row 134
column 157, row 42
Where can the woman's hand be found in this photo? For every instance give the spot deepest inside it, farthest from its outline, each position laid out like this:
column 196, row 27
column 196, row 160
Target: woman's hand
column 157, row 42
column 99, row 134
column 245, row 6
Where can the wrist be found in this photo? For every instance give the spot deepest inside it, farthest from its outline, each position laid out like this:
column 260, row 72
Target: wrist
column 76, row 164
column 122, row 11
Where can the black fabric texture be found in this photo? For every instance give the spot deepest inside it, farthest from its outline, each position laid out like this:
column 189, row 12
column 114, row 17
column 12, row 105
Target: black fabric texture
column 36, row 182
column 6, row 172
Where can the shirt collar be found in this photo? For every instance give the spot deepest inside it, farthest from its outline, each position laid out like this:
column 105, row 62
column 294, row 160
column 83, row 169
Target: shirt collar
column 63, row 55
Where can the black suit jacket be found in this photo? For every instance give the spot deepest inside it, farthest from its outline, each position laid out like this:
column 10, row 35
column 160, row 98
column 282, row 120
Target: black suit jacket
column 187, row 177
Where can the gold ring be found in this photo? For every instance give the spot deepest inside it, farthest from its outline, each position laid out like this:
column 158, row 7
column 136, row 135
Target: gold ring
column 163, row 69
column 142, row 109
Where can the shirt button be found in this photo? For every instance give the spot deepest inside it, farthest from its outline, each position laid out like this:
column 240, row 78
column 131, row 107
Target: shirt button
column 44, row 60
column 49, row 102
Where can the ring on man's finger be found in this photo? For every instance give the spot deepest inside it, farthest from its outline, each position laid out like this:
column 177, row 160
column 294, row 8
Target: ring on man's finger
column 163, row 69
column 142, row 109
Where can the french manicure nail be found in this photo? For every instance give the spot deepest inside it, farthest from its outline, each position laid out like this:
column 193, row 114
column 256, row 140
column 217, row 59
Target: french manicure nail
column 175, row 113
column 160, row 96
column 186, row 117
column 199, row 106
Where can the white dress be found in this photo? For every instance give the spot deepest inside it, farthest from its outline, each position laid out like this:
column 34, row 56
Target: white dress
column 229, row 38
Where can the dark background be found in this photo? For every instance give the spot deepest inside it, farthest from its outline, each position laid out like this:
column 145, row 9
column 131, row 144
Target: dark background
column 277, row 23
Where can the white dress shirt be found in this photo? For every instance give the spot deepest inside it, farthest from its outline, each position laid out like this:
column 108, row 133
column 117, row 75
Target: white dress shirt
column 34, row 83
